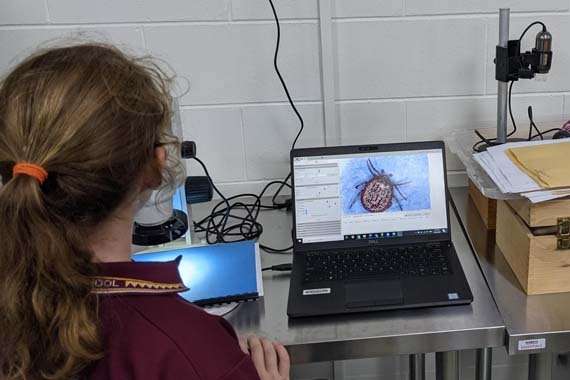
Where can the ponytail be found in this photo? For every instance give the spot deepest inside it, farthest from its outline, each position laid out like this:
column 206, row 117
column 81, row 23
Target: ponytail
column 48, row 318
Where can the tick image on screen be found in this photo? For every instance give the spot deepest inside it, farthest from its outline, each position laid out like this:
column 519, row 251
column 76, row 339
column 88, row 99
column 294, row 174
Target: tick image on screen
column 388, row 183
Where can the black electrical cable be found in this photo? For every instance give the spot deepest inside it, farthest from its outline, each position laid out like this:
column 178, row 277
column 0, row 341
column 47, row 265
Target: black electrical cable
column 238, row 304
column 276, row 250
column 533, row 125
column 542, row 133
column 236, row 218
column 302, row 123
column 285, row 204
column 224, row 225
column 511, row 111
column 279, row 268
column 530, row 117
column 483, row 140
column 530, row 26
column 291, row 103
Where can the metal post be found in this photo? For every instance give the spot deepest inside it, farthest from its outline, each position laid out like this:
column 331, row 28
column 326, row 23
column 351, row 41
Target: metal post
column 502, row 93
column 447, row 365
column 417, row 367
column 484, row 364
column 540, row 366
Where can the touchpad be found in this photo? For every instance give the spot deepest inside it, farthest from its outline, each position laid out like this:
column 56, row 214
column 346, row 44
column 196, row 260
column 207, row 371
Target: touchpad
column 373, row 293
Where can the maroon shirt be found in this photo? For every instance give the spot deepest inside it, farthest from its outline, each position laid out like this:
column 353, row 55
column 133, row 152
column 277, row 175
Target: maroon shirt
column 150, row 332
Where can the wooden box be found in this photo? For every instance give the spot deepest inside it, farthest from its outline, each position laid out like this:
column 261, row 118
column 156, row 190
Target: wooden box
column 535, row 240
column 486, row 207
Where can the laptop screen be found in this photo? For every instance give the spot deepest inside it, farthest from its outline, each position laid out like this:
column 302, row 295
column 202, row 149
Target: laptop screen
column 369, row 196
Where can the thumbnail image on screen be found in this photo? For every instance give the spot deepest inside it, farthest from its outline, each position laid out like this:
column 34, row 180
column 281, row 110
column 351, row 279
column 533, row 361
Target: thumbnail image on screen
column 387, row 183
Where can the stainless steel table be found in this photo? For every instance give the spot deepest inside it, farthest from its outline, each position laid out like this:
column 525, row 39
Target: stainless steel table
column 537, row 325
column 443, row 330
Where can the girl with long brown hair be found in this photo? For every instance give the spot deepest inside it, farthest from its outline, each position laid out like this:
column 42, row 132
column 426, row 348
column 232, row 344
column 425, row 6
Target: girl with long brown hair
column 84, row 138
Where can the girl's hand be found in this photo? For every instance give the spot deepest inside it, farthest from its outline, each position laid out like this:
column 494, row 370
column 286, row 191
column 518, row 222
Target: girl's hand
column 270, row 359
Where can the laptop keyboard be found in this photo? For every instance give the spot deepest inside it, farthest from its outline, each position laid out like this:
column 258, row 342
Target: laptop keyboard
column 409, row 261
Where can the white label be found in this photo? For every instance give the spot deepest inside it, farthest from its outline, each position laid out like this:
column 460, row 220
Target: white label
column 532, row 344
column 314, row 292
column 453, row 296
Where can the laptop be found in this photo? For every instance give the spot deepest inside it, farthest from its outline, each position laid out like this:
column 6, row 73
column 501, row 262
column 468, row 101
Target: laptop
column 371, row 230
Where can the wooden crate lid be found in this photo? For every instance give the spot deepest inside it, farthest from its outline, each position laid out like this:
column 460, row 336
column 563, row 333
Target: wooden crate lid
column 542, row 214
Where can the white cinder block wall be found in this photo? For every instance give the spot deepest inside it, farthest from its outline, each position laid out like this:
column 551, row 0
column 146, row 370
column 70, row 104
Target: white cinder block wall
column 402, row 70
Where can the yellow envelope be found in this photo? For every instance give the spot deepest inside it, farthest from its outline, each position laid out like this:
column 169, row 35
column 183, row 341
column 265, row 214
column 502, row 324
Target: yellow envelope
column 548, row 165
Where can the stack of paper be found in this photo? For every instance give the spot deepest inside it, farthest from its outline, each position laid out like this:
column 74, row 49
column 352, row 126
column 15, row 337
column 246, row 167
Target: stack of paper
column 509, row 167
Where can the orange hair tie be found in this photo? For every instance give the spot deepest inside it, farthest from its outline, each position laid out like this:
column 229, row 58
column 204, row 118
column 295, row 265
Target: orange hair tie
column 31, row 170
